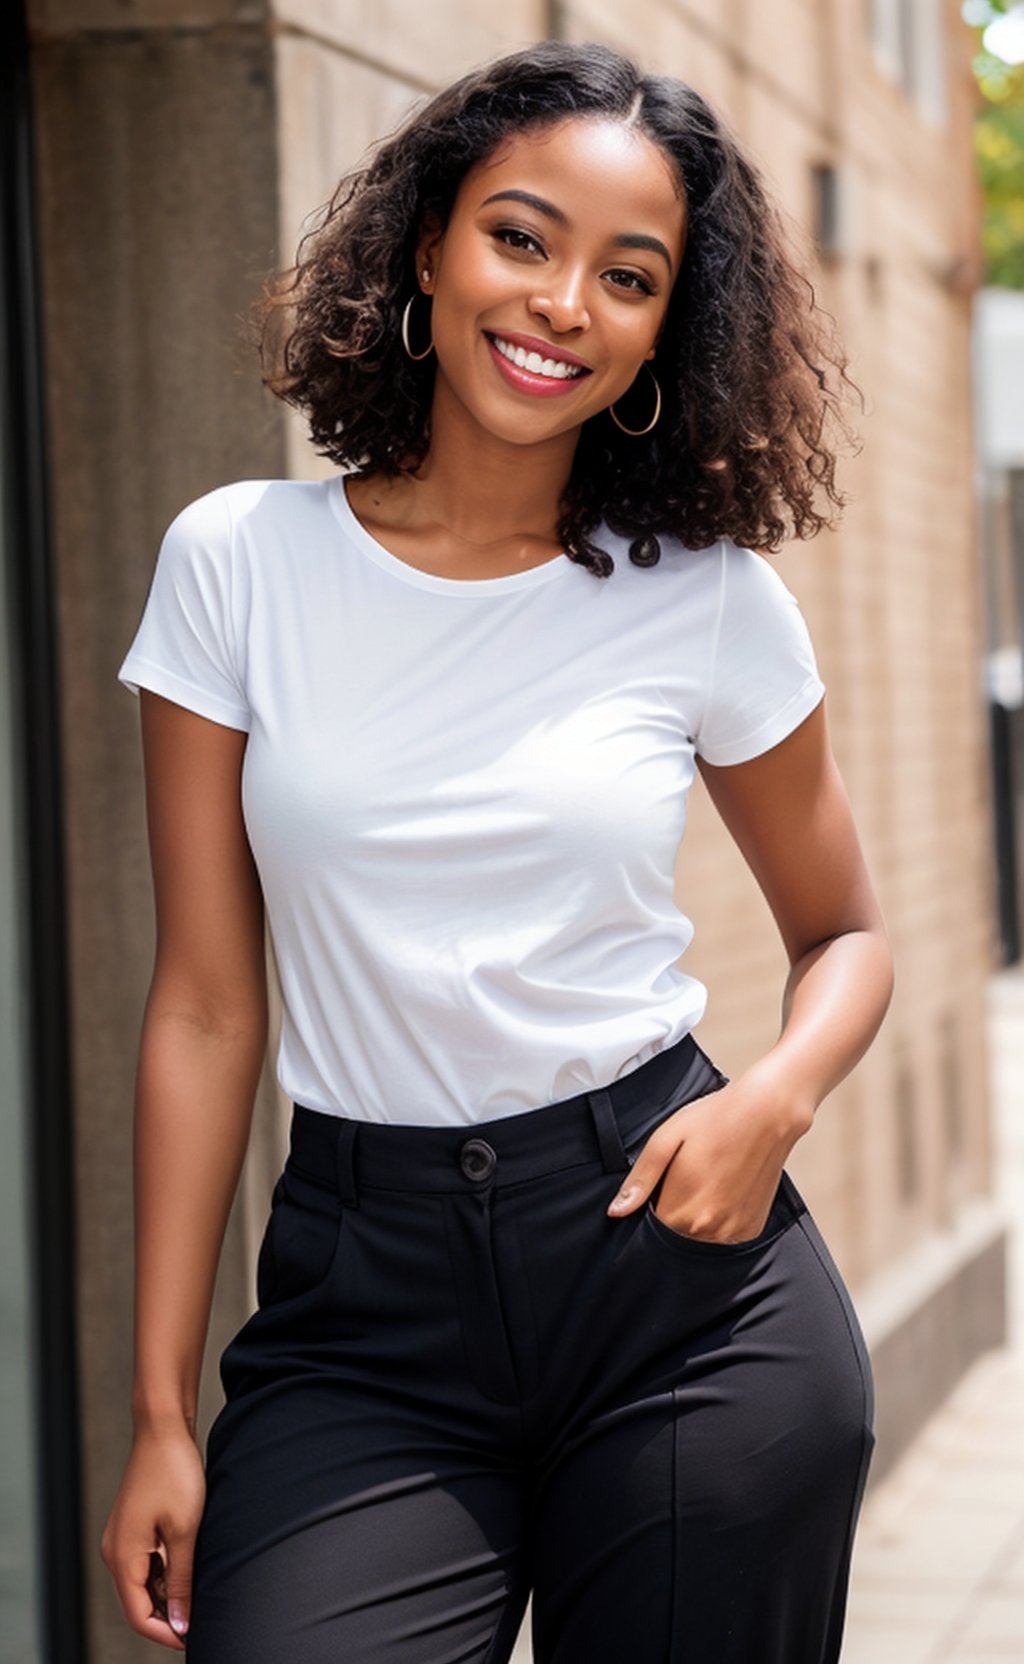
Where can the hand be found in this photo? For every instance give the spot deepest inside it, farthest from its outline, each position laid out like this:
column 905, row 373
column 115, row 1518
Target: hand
column 158, row 1507
column 721, row 1156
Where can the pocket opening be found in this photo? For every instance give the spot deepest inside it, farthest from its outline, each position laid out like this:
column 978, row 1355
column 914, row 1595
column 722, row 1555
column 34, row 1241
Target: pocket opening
column 300, row 1242
column 781, row 1215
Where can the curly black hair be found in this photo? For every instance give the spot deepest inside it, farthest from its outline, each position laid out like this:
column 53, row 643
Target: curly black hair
column 752, row 372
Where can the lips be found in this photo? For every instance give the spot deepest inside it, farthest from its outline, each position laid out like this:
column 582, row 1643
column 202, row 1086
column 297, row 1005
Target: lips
column 534, row 366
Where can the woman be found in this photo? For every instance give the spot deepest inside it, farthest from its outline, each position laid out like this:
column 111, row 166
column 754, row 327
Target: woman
column 540, row 1308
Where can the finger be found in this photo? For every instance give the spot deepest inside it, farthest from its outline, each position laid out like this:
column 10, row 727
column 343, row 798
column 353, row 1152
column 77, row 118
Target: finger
column 130, row 1580
column 646, row 1172
column 156, row 1583
column 178, row 1581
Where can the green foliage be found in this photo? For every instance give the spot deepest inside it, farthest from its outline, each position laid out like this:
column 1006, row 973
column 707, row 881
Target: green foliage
column 999, row 150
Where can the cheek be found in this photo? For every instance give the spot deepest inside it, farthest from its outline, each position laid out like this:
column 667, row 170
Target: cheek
column 453, row 335
column 633, row 330
column 469, row 277
column 457, row 304
column 472, row 294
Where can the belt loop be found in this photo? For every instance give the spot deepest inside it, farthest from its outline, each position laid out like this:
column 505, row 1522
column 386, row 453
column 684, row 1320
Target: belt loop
column 609, row 1136
column 346, row 1162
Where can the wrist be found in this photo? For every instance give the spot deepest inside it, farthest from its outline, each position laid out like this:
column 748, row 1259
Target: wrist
column 789, row 1103
column 161, row 1413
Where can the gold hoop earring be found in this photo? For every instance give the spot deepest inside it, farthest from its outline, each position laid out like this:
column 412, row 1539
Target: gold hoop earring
column 635, row 433
column 415, row 356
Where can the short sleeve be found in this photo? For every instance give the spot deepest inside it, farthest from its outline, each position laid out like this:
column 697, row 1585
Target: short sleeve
column 184, row 647
column 763, row 679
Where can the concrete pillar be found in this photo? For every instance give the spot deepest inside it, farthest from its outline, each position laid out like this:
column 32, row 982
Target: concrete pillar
column 158, row 213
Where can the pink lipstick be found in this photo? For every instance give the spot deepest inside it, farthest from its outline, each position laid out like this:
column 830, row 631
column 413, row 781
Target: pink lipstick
column 542, row 370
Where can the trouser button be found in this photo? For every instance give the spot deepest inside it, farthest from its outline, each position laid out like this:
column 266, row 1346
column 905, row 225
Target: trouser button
column 477, row 1159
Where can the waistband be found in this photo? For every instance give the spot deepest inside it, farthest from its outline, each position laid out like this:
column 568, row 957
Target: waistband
column 592, row 1126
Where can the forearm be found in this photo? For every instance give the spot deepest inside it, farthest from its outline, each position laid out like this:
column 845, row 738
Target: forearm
column 834, row 1001
column 196, row 1084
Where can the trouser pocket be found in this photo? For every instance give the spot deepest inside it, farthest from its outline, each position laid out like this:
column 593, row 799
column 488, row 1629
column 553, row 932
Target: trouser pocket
column 300, row 1239
column 786, row 1207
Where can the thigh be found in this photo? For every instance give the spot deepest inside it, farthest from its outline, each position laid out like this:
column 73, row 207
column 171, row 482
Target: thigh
column 362, row 1501
column 706, row 1506
column 333, row 1531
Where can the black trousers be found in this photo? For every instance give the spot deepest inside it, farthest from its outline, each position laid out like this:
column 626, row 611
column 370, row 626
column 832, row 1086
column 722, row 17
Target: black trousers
column 465, row 1382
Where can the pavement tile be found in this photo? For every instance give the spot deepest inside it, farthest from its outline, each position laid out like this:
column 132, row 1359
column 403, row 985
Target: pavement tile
column 906, row 1603
column 977, row 1486
column 979, row 1444
column 869, row 1643
column 995, row 1614
column 940, row 1542
column 1014, row 1572
column 938, row 1563
column 966, row 1652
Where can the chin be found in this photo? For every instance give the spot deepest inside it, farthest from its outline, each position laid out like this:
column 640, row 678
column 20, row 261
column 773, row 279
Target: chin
column 529, row 427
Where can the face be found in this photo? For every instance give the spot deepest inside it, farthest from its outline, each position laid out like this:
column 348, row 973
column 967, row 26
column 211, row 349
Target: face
column 551, row 281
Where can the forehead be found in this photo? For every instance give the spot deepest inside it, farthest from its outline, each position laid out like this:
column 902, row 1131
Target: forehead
column 591, row 168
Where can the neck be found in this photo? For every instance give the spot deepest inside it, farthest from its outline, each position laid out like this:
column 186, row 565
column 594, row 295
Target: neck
column 484, row 489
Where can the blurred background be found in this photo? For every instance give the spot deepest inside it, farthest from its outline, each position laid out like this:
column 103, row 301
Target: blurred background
column 158, row 157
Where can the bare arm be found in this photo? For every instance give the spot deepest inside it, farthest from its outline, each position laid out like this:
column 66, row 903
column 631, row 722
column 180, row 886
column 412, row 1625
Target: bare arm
column 790, row 817
column 201, row 1051
column 202, row 1046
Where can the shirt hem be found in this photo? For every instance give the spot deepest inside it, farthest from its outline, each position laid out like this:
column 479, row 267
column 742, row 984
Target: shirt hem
column 137, row 672
column 771, row 732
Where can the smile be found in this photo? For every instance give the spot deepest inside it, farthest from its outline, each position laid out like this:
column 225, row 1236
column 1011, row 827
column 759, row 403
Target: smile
column 538, row 366
column 532, row 371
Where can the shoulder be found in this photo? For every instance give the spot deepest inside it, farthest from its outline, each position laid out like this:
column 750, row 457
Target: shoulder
column 736, row 578
column 749, row 565
column 752, row 586
column 267, row 500
column 234, row 526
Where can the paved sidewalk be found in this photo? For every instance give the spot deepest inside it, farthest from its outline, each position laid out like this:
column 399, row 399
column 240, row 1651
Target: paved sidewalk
column 938, row 1566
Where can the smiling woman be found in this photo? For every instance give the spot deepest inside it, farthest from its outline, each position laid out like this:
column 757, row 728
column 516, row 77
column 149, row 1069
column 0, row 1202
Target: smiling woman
column 540, row 1310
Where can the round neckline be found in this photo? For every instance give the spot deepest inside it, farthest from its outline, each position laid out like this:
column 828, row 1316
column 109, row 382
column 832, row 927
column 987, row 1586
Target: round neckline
column 383, row 557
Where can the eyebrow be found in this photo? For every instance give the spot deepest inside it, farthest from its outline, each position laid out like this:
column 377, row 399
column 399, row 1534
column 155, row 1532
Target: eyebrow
column 625, row 239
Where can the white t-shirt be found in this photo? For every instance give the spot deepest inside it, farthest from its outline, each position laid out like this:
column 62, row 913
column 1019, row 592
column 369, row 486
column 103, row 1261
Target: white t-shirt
column 465, row 797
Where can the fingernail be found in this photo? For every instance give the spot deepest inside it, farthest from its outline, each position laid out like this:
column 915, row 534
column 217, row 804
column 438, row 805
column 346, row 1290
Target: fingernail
column 623, row 1199
column 177, row 1620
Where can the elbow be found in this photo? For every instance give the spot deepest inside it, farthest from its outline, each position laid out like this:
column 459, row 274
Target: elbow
column 233, row 1009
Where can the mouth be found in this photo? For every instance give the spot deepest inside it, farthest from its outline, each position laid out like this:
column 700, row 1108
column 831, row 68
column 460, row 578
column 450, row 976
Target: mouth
column 535, row 368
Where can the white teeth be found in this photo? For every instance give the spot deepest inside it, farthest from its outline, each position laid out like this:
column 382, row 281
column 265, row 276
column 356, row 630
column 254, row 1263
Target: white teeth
column 538, row 366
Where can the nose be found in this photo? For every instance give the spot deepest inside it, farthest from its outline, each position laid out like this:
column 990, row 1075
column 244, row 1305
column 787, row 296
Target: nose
column 562, row 302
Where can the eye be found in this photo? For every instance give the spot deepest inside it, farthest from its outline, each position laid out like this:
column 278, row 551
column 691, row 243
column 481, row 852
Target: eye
column 514, row 237
column 633, row 280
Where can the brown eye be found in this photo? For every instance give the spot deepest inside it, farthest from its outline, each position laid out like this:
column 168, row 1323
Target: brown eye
column 634, row 281
column 513, row 237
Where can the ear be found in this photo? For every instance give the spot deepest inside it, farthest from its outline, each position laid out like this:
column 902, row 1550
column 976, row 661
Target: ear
column 656, row 343
column 428, row 249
